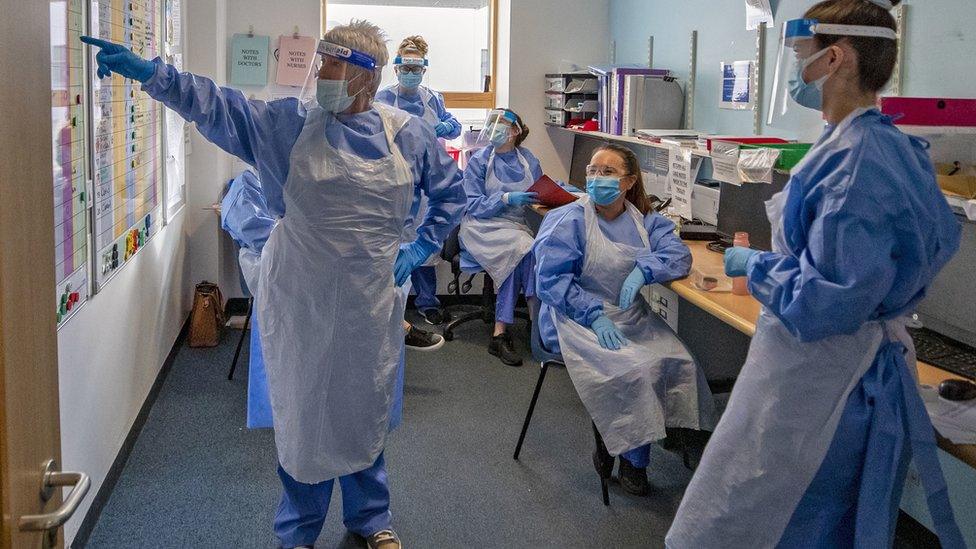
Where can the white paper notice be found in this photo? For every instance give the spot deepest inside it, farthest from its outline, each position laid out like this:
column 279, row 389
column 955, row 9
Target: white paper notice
column 725, row 162
column 757, row 12
column 681, row 177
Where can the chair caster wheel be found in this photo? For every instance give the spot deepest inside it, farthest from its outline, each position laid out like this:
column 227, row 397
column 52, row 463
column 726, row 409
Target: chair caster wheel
column 448, row 335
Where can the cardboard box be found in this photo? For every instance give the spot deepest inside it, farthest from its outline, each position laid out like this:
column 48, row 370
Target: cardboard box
column 962, row 184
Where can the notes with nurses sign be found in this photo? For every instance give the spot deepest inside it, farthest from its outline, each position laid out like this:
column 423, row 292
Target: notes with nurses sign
column 550, row 193
column 294, row 55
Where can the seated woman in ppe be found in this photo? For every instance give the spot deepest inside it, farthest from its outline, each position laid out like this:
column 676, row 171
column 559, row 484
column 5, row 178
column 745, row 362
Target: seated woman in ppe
column 408, row 94
column 338, row 173
column 632, row 373
column 494, row 235
column 813, row 448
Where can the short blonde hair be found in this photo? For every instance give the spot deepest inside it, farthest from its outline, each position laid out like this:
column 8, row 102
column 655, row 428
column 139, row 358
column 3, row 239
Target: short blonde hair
column 361, row 35
column 413, row 44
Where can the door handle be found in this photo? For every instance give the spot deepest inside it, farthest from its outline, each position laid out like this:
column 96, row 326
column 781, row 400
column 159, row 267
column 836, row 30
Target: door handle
column 54, row 479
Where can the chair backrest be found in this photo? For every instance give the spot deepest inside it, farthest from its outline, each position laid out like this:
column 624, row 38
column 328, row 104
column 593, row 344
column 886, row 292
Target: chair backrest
column 539, row 351
column 452, row 246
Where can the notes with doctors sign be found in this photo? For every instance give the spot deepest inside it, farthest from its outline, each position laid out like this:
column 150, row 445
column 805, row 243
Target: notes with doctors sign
column 249, row 60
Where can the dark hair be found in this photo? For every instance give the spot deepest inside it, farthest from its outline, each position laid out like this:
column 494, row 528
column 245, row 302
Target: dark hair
column 636, row 195
column 525, row 129
column 876, row 57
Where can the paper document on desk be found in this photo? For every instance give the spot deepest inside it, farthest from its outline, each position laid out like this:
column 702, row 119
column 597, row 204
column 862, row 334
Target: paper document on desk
column 955, row 421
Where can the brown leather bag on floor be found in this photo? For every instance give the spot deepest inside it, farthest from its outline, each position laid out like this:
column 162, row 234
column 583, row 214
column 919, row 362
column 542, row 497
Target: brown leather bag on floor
column 207, row 318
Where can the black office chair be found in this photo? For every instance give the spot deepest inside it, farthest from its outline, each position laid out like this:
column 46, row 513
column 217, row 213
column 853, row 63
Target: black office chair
column 451, row 252
column 546, row 359
column 678, row 440
column 247, row 324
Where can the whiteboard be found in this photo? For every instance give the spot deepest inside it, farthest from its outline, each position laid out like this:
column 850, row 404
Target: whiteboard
column 127, row 133
column 70, row 170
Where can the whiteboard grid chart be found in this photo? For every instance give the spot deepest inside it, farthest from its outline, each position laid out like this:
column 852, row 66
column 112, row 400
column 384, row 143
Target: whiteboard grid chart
column 70, row 170
column 108, row 173
column 127, row 124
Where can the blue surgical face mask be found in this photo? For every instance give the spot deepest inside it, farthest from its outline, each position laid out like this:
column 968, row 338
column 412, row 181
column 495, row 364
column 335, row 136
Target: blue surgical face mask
column 603, row 190
column 333, row 95
column 808, row 95
column 409, row 80
column 499, row 136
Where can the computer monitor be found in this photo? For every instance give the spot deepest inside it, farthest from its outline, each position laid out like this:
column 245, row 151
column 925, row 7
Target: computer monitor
column 743, row 208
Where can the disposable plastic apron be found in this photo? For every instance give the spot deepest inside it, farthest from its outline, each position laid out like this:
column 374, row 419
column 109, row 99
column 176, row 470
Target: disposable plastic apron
column 634, row 393
column 331, row 320
column 780, row 422
column 498, row 244
column 430, row 117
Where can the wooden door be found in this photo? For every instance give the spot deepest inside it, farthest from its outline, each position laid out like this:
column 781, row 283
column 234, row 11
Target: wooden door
column 29, row 433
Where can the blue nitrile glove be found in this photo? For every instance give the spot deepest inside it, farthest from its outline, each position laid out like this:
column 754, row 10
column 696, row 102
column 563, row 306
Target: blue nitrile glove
column 410, row 257
column 634, row 282
column 517, row 198
column 443, row 128
column 607, row 333
column 737, row 259
column 120, row 59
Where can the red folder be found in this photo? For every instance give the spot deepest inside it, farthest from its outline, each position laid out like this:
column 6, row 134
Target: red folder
column 550, row 193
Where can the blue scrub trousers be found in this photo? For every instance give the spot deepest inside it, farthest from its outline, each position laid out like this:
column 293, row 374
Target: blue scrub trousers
column 828, row 514
column 639, row 457
column 424, row 280
column 303, row 507
column 522, row 280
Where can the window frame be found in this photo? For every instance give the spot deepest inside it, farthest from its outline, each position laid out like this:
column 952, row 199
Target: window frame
column 466, row 99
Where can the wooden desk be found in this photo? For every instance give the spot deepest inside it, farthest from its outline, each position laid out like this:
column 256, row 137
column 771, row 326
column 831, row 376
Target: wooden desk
column 741, row 312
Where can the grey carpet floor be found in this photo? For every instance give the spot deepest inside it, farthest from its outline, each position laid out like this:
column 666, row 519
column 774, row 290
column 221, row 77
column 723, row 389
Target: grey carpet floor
column 198, row 478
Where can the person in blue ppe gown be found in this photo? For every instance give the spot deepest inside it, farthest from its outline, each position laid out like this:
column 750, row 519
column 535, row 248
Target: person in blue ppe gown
column 813, row 448
column 338, row 174
column 494, row 235
column 635, row 377
column 245, row 216
column 410, row 95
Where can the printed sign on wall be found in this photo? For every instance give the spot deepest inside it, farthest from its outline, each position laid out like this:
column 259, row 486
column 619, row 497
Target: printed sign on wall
column 249, row 60
column 294, row 55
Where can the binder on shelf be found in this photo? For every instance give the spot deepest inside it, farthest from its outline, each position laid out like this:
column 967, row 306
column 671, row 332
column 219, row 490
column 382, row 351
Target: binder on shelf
column 619, row 79
column 649, row 101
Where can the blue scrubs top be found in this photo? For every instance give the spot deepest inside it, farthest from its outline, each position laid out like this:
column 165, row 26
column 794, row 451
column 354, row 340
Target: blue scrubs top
column 264, row 133
column 560, row 250
column 413, row 104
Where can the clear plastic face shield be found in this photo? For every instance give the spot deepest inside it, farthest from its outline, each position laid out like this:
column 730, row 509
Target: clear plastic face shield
column 802, row 67
column 337, row 76
column 409, row 70
column 500, row 126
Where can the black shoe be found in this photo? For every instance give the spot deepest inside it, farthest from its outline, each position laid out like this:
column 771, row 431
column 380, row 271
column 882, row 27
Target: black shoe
column 602, row 460
column 633, row 479
column 435, row 316
column 502, row 347
column 421, row 340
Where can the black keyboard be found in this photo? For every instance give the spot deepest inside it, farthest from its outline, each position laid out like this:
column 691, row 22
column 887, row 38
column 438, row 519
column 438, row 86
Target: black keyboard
column 943, row 352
